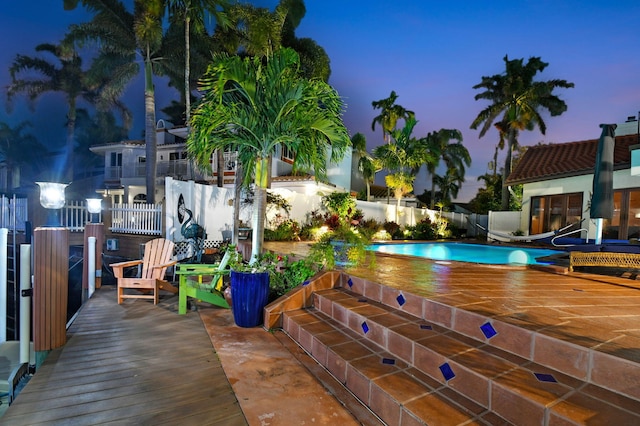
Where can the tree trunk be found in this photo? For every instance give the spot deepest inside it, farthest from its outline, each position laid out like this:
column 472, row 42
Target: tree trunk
column 220, row 168
column 237, row 191
column 507, row 170
column 187, row 69
column 259, row 207
column 432, row 202
column 150, row 132
column 70, row 143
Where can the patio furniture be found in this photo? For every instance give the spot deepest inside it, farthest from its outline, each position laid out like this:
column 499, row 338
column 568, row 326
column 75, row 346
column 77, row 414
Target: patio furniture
column 193, row 284
column 157, row 258
column 604, row 259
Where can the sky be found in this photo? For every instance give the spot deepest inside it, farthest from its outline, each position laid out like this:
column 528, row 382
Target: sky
column 431, row 53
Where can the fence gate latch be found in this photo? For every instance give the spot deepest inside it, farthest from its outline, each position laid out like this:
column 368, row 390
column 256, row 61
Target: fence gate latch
column 27, row 292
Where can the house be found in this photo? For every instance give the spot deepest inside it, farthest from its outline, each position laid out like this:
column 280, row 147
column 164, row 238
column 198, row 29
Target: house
column 557, row 184
column 124, row 166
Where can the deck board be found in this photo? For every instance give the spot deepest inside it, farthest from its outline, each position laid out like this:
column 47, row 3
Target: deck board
column 134, row 363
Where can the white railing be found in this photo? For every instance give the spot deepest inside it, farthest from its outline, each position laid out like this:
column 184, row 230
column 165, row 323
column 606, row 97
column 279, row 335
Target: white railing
column 13, row 212
column 144, row 219
column 74, row 215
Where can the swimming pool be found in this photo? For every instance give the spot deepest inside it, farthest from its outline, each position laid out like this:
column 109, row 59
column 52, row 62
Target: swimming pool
column 463, row 252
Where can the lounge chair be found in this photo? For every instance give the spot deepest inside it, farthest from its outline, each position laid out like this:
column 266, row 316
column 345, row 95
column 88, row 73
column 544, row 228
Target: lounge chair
column 157, row 258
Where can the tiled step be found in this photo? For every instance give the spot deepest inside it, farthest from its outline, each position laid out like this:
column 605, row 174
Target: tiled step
column 410, row 371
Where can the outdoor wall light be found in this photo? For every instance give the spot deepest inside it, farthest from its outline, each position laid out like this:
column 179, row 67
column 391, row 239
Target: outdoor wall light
column 94, row 206
column 52, row 199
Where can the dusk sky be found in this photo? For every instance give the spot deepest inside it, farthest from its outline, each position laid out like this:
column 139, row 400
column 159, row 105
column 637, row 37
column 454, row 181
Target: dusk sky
column 430, row 53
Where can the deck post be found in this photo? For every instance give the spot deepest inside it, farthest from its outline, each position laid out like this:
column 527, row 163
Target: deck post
column 93, row 230
column 50, row 288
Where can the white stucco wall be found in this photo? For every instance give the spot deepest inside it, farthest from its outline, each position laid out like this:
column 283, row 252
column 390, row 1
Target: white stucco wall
column 621, row 179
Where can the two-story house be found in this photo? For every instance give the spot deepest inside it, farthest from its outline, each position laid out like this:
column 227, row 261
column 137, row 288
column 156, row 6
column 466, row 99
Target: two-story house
column 124, row 166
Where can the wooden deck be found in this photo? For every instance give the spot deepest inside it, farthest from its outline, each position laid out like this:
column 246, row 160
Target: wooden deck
column 134, row 363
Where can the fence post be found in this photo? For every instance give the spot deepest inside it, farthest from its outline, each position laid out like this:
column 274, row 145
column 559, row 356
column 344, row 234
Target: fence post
column 95, row 230
column 50, row 287
column 25, row 303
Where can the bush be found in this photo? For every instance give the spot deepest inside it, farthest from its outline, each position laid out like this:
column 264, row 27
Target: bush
column 288, row 230
column 393, row 229
column 423, row 230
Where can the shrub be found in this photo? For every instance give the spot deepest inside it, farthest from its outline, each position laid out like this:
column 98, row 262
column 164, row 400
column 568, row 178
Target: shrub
column 288, row 230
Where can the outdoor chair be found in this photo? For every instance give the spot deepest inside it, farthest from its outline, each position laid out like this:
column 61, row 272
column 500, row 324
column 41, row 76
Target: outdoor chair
column 192, row 285
column 157, row 258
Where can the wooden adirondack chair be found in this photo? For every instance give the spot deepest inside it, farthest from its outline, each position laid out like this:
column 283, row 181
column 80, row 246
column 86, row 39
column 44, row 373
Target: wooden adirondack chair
column 157, row 258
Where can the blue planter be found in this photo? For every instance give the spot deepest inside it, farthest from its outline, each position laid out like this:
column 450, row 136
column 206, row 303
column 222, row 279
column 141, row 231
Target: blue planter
column 249, row 295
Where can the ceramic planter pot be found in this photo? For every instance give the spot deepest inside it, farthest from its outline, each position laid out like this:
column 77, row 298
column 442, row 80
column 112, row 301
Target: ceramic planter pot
column 249, row 295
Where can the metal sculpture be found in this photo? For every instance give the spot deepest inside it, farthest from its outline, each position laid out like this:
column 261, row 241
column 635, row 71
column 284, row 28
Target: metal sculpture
column 193, row 232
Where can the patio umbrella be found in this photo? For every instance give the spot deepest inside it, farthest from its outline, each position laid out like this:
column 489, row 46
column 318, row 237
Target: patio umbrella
column 602, row 198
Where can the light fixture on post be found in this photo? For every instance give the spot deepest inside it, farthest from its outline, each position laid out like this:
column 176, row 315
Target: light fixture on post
column 52, row 199
column 94, row 206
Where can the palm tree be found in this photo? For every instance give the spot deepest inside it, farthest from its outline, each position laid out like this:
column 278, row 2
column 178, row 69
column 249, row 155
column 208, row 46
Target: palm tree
column 390, row 113
column 449, row 184
column 401, row 157
column 367, row 165
column 68, row 78
column 191, row 13
column 122, row 35
column 17, row 151
column 454, row 155
column 518, row 98
column 253, row 106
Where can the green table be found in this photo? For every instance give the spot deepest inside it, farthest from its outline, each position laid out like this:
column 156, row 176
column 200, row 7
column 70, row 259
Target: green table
column 193, row 284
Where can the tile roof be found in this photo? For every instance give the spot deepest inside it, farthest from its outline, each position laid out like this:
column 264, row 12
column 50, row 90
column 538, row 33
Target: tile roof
column 553, row 161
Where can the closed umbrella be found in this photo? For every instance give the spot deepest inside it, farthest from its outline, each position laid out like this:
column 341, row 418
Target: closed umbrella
column 602, row 198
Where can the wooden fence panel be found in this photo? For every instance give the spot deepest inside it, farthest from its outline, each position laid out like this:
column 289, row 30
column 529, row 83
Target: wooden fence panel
column 50, row 287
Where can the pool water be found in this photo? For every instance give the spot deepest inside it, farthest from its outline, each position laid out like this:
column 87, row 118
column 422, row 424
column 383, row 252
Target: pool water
column 462, row 252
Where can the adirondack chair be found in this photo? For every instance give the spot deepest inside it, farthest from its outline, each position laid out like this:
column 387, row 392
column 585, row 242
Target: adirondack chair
column 191, row 284
column 157, row 258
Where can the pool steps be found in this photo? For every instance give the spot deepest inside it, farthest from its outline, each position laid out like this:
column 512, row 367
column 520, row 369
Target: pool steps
column 413, row 361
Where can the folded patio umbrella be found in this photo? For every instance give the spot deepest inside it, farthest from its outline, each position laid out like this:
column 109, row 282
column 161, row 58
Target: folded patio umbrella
column 602, row 198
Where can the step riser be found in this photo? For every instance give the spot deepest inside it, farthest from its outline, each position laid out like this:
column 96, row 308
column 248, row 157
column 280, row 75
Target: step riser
column 489, row 387
column 601, row 369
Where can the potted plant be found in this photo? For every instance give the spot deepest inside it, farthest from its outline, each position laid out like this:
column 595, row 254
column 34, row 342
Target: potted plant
column 270, row 276
column 249, row 288
column 344, row 243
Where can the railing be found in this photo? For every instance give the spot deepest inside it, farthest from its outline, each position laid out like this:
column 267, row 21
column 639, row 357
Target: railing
column 13, row 212
column 144, row 219
column 74, row 215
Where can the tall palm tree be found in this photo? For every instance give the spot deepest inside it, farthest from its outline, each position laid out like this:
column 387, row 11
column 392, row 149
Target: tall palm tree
column 192, row 13
column 401, row 157
column 67, row 78
column 367, row 165
column 253, row 106
column 514, row 95
column 454, row 155
column 389, row 115
column 122, row 35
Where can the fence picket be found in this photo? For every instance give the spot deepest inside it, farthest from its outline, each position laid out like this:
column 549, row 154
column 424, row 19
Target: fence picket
column 143, row 219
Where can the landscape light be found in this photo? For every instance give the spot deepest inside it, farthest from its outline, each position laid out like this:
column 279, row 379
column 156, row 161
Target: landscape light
column 94, row 206
column 52, row 199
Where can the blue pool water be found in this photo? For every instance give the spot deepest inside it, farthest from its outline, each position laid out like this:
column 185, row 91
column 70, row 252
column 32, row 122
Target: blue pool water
column 461, row 252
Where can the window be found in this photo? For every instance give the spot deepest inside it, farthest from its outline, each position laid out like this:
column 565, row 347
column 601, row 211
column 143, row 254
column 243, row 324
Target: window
column 175, row 156
column 287, row 154
column 625, row 223
column 552, row 212
column 116, row 159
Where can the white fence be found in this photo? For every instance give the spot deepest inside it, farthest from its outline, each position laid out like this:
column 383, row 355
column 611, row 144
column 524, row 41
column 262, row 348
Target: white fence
column 74, row 215
column 143, row 219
